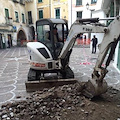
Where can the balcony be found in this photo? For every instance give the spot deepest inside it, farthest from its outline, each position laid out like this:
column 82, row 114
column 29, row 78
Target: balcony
column 9, row 21
column 22, row 2
column 28, row 0
column 16, row 1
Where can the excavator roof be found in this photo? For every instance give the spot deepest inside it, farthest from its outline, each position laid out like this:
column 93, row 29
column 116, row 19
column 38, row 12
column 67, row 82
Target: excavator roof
column 51, row 21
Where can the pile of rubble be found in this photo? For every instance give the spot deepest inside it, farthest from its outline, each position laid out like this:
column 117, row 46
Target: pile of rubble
column 62, row 103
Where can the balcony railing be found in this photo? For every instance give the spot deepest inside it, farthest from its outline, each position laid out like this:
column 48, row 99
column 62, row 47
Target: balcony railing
column 16, row 1
column 28, row 0
column 22, row 2
column 9, row 21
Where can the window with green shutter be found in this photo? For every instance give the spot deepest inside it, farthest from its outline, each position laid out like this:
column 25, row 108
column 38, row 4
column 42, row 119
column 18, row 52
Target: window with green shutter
column 39, row 1
column 40, row 14
column 112, row 9
column 23, row 18
column 16, row 16
column 57, row 13
column 6, row 13
column 30, row 21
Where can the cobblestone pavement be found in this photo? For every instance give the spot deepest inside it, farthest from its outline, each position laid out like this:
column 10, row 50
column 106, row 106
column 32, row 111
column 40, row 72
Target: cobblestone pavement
column 14, row 68
column 13, row 74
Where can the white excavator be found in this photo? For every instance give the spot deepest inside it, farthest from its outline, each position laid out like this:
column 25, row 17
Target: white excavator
column 51, row 53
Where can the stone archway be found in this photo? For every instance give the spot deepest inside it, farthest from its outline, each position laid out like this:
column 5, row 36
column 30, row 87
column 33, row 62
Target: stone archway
column 21, row 38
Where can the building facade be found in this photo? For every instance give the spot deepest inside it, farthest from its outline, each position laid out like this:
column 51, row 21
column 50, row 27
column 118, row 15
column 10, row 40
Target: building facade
column 95, row 9
column 31, row 18
column 13, row 25
column 52, row 9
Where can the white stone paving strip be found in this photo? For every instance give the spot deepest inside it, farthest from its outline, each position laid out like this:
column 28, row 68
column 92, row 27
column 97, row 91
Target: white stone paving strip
column 6, row 53
column 13, row 53
column 13, row 85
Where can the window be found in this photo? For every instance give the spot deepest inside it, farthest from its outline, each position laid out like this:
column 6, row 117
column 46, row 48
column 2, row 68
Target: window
column 79, row 14
column 29, row 17
column 57, row 13
column 78, row 2
column 93, row 1
column 23, row 18
column 39, row 1
column 40, row 14
column 6, row 13
column 41, row 32
column 16, row 16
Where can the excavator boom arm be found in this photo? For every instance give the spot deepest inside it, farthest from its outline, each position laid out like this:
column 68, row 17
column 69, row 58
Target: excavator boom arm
column 109, row 42
column 80, row 27
column 97, row 85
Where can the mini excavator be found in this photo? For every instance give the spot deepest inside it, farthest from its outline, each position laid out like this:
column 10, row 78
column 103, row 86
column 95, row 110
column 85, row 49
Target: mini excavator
column 51, row 54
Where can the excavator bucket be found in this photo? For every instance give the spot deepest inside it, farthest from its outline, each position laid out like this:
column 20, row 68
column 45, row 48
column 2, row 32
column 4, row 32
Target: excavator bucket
column 32, row 86
column 92, row 88
column 89, row 89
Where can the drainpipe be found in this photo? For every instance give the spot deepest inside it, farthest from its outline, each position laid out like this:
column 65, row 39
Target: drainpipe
column 50, row 7
column 71, row 12
column 115, row 8
column 36, row 8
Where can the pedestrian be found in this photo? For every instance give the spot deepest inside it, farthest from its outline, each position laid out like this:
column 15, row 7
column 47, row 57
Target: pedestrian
column 94, row 44
column 84, row 39
column 9, row 42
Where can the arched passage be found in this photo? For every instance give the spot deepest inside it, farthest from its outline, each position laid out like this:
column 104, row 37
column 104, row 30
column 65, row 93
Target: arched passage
column 21, row 38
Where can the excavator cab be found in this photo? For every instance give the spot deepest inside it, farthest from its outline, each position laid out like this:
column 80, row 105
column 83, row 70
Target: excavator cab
column 52, row 33
column 44, row 54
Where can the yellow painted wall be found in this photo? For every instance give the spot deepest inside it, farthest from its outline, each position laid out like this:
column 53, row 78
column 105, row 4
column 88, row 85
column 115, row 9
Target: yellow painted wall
column 31, row 6
column 49, row 6
column 45, row 6
column 63, row 5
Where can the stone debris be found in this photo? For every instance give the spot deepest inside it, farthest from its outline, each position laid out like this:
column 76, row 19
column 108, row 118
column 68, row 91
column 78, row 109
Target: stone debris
column 54, row 104
column 46, row 103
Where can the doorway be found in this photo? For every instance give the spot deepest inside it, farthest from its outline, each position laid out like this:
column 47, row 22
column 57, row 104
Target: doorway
column 21, row 38
column 1, row 41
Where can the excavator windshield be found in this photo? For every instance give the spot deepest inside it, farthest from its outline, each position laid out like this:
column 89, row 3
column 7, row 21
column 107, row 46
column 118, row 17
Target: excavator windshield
column 52, row 34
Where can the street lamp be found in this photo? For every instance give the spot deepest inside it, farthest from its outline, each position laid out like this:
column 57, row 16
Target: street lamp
column 87, row 7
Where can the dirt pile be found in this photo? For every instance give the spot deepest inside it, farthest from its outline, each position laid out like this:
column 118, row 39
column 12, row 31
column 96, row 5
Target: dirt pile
column 64, row 103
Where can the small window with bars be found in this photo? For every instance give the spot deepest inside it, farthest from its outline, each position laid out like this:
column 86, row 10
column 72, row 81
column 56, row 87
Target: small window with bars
column 78, row 2
column 79, row 14
column 93, row 1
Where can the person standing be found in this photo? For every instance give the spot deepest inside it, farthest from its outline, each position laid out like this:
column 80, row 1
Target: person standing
column 9, row 42
column 84, row 39
column 94, row 44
